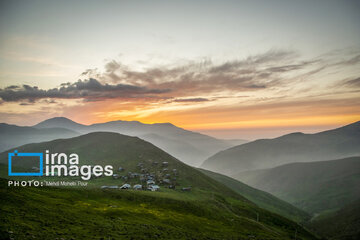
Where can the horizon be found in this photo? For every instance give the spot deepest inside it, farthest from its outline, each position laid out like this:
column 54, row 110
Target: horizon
column 248, row 69
column 251, row 133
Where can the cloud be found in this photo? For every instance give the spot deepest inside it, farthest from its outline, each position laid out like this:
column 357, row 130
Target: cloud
column 26, row 104
column 353, row 83
column 270, row 71
column 287, row 68
column 191, row 100
column 352, row 61
column 251, row 74
column 89, row 90
column 12, row 87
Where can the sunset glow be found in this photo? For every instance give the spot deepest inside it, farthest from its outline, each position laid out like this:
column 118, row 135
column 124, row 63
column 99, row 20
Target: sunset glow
column 248, row 84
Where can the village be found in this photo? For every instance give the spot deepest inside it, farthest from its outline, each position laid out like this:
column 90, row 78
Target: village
column 159, row 176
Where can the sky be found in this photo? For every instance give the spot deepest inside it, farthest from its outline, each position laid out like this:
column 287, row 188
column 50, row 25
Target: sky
column 230, row 69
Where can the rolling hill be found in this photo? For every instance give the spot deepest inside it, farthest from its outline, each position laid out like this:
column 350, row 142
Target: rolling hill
column 345, row 223
column 296, row 147
column 210, row 210
column 190, row 147
column 13, row 136
column 106, row 148
column 314, row 187
column 262, row 199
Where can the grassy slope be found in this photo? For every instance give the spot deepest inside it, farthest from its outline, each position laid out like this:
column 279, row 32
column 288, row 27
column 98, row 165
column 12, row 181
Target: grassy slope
column 209, row 211
column 118, row 150
column 262, row 199
column 345, row 223
column 313, row 187
column 47, row 213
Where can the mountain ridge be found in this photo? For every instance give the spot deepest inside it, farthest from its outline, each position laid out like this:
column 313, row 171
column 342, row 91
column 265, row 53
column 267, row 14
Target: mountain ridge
column 13, row 135
column 312, row 186
column 202, row 146
column 295, row 147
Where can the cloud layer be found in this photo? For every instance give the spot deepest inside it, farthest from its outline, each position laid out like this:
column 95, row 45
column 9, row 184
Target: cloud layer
column 90, row 90
column 255, row 72
column 273, row 74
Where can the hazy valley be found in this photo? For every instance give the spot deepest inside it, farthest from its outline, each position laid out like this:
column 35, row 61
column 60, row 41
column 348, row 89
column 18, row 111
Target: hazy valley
column 299, row 195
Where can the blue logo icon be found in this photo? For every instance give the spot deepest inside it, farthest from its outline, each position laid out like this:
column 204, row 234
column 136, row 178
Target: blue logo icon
column 15, row 153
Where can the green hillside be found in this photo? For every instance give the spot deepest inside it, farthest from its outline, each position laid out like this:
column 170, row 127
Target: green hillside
column 313, row 187
column 118, row 150
column 50, row 213
column 209, row 211
column 345, row 223
column 262, row 199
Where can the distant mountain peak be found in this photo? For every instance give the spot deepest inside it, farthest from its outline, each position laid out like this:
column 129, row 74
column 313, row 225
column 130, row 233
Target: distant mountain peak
column 188, row 146
column 63, row 119
column 297, row 133
column 165, row 124
column 121, row 121
column 294, row 134
column 62, row 122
